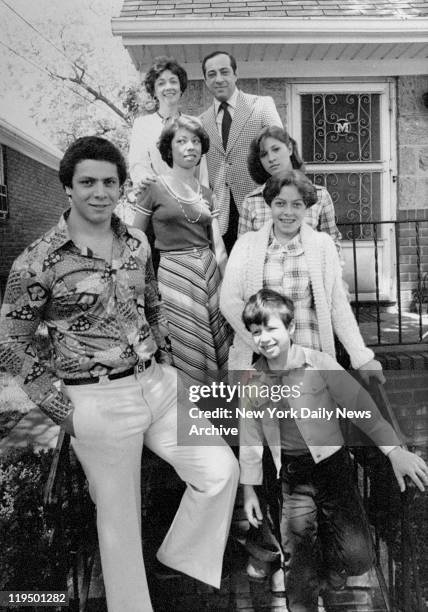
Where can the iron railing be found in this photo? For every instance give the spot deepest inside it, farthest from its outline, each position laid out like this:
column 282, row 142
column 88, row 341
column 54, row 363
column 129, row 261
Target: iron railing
column 66, row 480
column 392, row 519
column 408, row 256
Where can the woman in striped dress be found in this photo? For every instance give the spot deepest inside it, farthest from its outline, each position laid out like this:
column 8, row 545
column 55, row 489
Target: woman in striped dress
column 192, row 254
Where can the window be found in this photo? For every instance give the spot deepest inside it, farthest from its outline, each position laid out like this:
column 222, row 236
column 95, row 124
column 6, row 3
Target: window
column 4, row 206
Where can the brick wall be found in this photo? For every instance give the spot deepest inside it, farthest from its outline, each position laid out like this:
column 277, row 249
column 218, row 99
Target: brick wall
column 407, row 390
column 414, row 257
column 36, row 200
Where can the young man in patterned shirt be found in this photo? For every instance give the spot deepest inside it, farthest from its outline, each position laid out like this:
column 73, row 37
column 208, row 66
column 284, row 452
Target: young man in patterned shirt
column 90, row 280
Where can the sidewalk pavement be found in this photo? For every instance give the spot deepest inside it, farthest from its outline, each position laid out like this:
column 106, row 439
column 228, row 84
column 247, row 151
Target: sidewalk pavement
column 413, row 329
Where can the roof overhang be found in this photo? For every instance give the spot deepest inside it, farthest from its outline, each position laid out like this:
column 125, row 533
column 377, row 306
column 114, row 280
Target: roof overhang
column 13, row 137
column 286, row 47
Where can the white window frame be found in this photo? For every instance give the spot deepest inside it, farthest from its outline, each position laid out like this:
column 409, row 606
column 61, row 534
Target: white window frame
column 4, row 202
column 2, row 172
column 387, row 168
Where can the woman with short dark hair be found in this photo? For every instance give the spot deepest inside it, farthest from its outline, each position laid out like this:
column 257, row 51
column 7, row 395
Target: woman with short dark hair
column 165, row 82
column 272, row 153
column 192, row 253
column 161, row 64
column 189, row 123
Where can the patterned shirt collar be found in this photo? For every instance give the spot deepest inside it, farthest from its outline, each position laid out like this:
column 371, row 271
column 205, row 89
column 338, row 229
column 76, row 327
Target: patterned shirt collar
column 61, row 235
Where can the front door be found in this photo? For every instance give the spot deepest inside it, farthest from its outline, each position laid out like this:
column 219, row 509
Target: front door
column 345, row 133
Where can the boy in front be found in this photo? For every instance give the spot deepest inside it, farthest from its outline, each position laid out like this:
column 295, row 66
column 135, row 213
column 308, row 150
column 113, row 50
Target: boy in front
column 324, row 537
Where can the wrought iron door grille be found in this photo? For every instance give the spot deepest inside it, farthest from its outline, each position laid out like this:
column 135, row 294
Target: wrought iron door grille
column 356, row 197
column 341, row 128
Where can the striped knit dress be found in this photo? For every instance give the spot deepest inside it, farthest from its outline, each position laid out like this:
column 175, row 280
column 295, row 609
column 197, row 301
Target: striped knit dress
column 189, row 282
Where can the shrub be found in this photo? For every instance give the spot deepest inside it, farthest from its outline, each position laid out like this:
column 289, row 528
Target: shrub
column 32, row 551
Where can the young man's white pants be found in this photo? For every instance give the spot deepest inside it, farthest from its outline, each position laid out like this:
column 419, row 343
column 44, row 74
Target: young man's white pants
column 112, row 421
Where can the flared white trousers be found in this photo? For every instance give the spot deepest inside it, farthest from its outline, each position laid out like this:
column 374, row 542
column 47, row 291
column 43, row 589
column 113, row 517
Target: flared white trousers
column 112, row 421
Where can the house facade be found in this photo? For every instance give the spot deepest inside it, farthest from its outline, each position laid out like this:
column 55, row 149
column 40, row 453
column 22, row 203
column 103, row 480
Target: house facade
column 348, row 79
column 31, row 196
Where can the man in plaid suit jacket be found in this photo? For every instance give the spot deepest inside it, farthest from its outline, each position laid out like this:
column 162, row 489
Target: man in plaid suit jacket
column 230, row 137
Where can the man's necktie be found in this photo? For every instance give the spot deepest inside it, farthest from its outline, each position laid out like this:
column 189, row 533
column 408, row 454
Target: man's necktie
column 225, row 123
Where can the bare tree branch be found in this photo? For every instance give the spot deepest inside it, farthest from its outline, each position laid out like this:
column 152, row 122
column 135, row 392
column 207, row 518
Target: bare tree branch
column 78, row 79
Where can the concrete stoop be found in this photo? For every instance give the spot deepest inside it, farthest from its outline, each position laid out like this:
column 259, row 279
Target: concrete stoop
column 361, row 594
column 396, row 357
column 237, row 594
column 353, row 599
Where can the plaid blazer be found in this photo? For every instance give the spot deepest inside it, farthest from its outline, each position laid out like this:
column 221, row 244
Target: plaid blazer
column 227, row 170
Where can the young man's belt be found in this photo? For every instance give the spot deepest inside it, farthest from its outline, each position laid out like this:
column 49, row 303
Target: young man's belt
column 138, row 367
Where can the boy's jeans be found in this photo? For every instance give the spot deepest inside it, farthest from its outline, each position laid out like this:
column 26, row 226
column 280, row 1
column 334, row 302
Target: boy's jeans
column 323, row 532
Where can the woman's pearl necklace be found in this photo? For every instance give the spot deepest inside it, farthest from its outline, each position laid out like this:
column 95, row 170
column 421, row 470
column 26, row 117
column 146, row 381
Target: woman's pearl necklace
column 196, row 199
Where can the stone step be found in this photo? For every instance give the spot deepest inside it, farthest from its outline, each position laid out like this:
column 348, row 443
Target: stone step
column 354, row 599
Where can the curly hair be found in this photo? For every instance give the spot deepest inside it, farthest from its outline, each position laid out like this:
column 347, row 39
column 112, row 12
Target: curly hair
column 183, row 121
column 265, row 303
column 161, row 64
column 255, row 167
column 90, row 147
column 295, row 178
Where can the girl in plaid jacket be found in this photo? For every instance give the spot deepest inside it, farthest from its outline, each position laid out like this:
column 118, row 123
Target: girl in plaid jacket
column 272, row 153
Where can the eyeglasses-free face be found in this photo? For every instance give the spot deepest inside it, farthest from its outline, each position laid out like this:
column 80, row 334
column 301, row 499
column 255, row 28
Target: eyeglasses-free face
column 273, row 339
column 94, row 191
column 219, row 77
column 167, row 88
column 275, row 156
column 288, row 211
column 186, row 148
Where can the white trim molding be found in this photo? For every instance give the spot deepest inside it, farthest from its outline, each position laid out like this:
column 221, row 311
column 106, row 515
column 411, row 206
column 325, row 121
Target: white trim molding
column 11, row 136
column 282, row 46
column 272, row 30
